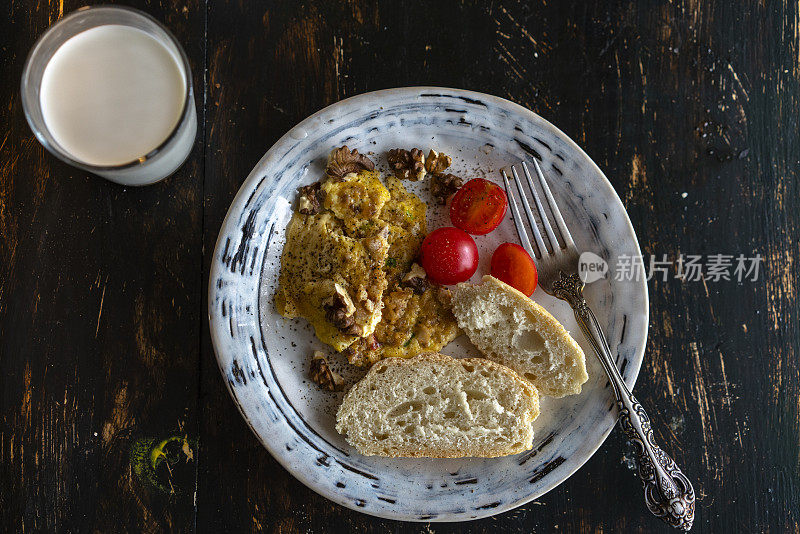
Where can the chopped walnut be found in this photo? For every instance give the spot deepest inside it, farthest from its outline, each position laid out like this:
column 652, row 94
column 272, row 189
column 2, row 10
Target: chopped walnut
column 339, row 309
column 322, row 374
column 360, row 317
column 416, row 280
column 436, row 162
column 354, row 330
column 310, row 200
column 444, row 186
column 407, row 164
column 340, row 319
column 343, row 161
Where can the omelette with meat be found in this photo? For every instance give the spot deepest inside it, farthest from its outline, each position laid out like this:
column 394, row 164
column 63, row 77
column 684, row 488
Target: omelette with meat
column 347, row 265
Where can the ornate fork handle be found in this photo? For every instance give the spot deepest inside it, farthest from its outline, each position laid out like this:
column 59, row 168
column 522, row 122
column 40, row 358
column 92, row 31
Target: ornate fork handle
column 667, row 492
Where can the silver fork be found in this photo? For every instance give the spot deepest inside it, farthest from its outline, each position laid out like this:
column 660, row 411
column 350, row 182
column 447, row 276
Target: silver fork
column 667, row 492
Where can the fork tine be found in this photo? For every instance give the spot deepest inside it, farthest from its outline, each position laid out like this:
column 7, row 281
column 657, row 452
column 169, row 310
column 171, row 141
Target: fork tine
column 531, row 219
column 551, row 236
column 523, row 235
column 562, row 227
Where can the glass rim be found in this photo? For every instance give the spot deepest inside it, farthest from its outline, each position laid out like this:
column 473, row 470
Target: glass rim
column 62, row 153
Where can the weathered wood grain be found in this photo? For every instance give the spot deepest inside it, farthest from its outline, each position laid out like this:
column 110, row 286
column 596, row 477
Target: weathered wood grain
column 669, row 99
column 99, row 318
column 689, row 107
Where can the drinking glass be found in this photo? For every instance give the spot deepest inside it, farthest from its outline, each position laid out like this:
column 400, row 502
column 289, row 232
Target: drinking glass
column 149, row 168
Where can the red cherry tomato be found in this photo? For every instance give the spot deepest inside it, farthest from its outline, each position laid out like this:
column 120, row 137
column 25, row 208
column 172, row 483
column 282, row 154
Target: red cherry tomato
column 514, row 266
column 478, row 207
column 449, row 256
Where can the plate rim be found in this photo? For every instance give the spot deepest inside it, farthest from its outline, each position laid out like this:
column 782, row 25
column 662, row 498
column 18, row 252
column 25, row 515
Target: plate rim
column 252, row 182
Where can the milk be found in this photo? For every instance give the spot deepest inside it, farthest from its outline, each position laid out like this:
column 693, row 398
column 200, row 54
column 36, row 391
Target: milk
column 112, row 94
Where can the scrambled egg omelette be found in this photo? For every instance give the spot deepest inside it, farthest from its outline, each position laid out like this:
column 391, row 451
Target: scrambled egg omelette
column 347, row 267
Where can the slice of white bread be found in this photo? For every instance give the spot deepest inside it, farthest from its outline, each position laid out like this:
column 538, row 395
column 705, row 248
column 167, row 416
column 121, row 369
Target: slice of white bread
column 436, row 406
column 511, row 329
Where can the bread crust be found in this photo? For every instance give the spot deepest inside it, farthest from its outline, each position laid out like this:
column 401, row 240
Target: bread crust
column 497, row 289
column 357, row 391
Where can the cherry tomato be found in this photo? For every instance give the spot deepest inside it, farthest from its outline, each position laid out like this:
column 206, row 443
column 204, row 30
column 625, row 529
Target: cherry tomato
column 449, row 256
column 514, row 266
column 478, row 207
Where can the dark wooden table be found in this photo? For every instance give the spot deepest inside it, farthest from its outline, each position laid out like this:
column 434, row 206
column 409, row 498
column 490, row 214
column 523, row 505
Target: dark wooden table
column 690, row 108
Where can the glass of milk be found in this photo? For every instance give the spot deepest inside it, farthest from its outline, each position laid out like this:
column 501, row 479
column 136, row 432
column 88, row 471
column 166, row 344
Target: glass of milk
column 109, row 90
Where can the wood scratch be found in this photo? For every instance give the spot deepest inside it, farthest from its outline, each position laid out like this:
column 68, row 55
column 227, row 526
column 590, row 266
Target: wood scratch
column 506, row 56
column 518, row 25
column 708, row 296
column 338, row 58
column 25, row 409
column 644, row 84
column 100, row 313
column 702, row 403
column 59, row 11
column 726, row 401
column 669, row 380
column 638, row 179
column 637, row 172
column 739, row 435
column 736, row 79
column 520, row 72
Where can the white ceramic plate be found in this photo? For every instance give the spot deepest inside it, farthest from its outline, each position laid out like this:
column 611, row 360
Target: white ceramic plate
column 264, row 357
